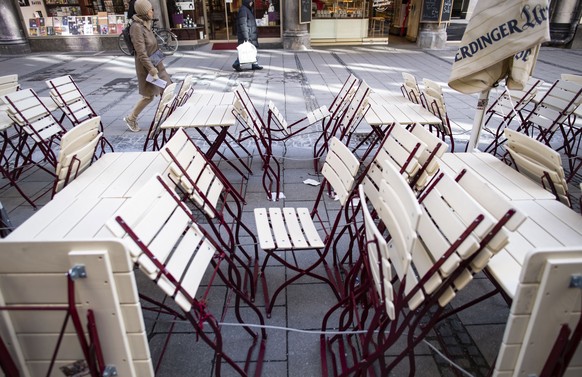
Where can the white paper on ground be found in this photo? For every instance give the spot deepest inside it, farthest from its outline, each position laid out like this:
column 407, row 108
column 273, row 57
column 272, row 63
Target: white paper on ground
column 311, row 182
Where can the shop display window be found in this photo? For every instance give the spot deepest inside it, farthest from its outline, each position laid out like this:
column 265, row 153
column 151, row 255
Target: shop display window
column 102, row 24
column 74, row 17
column 339, row 9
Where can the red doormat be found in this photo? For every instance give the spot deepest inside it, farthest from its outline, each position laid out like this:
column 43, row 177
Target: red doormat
column 224, row 46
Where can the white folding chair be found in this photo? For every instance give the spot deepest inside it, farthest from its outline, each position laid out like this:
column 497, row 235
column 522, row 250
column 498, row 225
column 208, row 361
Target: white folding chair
column 293, row 230
column 452, row 230
column 503, row 111
column 168, row 245
column 156, row 136
column 202, row 183
column 77, row 151
column 435, row 103
column 410, row 88
column 538, row 162
column 65, row 92
column 555, row 114
column 185, row 91
column 37, row 135
column 544, row 326
column 256, row 129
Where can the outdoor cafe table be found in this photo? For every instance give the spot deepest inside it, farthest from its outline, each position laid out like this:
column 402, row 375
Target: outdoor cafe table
column 387, row 109
column 80, row 210
column 549, row 223
column 212, row 110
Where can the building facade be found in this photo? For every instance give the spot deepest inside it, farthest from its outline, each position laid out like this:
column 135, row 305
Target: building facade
column 68, row 25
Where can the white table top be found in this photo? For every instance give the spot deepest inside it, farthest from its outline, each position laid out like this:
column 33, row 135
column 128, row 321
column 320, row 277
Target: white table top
column 549, row 223
column 226, row 98
column 201, row 115
column 387, row 109
column 81, row 209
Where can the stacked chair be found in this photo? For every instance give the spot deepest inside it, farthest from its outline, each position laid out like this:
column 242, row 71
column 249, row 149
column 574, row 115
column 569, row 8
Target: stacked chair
column 336, row 110
column 65, row 92
column 200, row 183
column 255, row 129
column 435, row 103
column 538, row 162
column 416, row 253
column 36, row 134
column 40, row 135
column 552, row 120
column 156, row 136
column 410, row 88
column 78, row 148
column 503, row 112
column 188, row 264
column 295, row 230
column 415, row 154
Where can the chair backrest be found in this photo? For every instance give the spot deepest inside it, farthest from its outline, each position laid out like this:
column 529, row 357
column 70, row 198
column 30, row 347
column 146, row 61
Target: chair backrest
column 27, row 111
column 571, row 77
column 410, row 88
column 67, row 95
column 163, row 110
column 356, row 109
column 544, row 322
column 185, row 91
column 507, row 217
column 452, row 228
column 343, row 96
column 556, row 106
column 9, row 84
column 433, row 93
column 340, row 169
column 399, row 211
column 538, row 162
column 248, row 114
column 521, row 98
column 429, row 158
column 78, row 147
column 165, row 241
column 190, row 170
column 401, row 149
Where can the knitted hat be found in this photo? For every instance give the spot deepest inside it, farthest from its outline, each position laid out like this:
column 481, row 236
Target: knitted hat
column 142, row 7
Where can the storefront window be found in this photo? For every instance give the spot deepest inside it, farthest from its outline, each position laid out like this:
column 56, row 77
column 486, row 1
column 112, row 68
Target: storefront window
column 268, row 19
column 338, row 9
column 73, row 17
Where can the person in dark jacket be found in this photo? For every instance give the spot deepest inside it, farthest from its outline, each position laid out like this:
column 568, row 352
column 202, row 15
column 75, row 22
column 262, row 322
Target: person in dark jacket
column 131, row 10
column 246, row 30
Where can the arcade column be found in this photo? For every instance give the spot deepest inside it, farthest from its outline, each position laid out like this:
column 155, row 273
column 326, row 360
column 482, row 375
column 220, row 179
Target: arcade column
column 12, row 36
column 295, row 35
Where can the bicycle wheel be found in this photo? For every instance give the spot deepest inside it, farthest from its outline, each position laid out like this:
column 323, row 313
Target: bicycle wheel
column 122, row 45
column 168, row 41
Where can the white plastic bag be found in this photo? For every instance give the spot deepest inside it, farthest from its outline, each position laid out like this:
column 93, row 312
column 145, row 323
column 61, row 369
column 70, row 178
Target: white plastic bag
column 247, row 53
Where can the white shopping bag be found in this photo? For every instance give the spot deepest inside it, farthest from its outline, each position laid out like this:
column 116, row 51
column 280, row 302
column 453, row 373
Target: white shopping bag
column 247, row 53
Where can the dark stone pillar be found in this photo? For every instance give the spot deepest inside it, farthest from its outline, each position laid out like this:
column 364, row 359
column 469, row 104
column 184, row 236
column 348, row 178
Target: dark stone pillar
column 12, row 36
column 295, row 35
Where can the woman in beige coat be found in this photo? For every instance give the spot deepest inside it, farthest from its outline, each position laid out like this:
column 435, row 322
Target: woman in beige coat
column 145, row 44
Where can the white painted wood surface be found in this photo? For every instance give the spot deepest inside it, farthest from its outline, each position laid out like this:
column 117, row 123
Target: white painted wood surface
column 34, row 273
column 548, row 223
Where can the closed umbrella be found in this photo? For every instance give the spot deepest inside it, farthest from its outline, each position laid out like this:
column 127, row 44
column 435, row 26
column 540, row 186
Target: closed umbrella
column 501, row 42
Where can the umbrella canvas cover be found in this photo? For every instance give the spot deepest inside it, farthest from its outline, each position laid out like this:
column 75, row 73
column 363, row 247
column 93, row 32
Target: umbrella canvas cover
column 501, row 41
